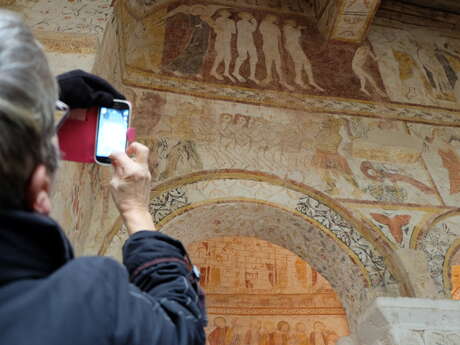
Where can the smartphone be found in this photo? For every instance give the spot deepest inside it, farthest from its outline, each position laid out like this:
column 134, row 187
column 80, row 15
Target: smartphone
column 112, row 128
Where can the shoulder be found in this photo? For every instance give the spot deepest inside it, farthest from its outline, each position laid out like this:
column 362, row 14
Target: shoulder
column 89, row 273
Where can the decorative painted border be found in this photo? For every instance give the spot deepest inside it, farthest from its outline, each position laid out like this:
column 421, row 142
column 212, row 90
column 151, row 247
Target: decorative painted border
column 275, row 311
column 356, row 233
column 67, row 43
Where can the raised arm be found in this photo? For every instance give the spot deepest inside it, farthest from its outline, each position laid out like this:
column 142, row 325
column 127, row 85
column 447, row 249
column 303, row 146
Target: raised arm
column 163, row 304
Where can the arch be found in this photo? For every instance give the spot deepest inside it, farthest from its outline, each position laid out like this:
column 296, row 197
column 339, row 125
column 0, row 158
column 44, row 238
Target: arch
column 182, row 197
column 279, row 226
column 169, row 198
column 440, row 242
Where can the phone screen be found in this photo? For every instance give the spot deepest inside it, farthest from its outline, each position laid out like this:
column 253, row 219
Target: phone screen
column 111, row 131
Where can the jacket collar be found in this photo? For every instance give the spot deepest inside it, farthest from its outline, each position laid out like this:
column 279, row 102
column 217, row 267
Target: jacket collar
column 32, row 246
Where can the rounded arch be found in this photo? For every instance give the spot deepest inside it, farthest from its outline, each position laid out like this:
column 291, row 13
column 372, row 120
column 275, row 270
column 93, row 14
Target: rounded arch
column 440, row 241
column 281, row 227
column 182, row 197
column 372, row 235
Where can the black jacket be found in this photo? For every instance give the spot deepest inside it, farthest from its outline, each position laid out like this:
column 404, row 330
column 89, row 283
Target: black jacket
column 48, row 297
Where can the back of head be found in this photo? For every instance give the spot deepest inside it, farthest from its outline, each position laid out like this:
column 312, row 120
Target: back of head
column 28, row 93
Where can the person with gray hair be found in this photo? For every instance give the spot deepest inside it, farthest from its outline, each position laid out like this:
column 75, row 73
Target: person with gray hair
column 46, row 295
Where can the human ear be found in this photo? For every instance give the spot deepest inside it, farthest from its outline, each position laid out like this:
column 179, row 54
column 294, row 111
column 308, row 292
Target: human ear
column 38, row 191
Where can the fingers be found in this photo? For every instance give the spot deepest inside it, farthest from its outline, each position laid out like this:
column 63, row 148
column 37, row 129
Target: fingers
column 123, row 164
column 139, row 152
column 120, row 162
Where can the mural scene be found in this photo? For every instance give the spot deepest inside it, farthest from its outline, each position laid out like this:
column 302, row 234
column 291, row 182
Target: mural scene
column 262, row 294
column 356, row 158
column 250, row 51
column 421, row 66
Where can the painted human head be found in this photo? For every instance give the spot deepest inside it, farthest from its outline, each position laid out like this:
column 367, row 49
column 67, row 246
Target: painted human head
column 245, row 15
column 271, row 18
column 220, row 322
column 300, row 327
column 225, row 13
column 318, row 326
column 283, row 326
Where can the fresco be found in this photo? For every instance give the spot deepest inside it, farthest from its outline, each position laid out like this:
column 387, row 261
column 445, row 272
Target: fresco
column 77, row 16
column 456, row 282
column 356, row 158
column 399, row 224
column 274, row 57
column 420, row 66
column 258, row 49
column 259, row 293
column 440, row 242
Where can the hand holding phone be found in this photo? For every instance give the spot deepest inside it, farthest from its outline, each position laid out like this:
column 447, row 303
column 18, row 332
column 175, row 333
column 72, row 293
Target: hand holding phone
column 130, row 187
column 112, row 128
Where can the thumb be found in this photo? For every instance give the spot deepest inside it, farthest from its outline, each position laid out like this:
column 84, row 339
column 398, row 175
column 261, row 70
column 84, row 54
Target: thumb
column 119, row 162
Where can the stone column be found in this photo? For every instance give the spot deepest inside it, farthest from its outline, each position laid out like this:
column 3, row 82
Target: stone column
column 408, row 321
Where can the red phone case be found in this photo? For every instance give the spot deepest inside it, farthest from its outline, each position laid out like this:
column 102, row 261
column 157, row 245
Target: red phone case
column 77, row 136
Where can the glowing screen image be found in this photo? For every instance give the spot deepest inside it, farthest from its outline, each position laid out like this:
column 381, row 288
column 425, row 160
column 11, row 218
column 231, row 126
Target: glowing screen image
column 113, row 125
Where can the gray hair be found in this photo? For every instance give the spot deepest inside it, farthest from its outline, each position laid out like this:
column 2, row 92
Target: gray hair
column 28, row 92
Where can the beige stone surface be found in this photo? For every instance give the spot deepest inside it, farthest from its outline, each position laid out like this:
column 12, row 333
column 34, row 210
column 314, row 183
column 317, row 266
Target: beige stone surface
column 411, row 321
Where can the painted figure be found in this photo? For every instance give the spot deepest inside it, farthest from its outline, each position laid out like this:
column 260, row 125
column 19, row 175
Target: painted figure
column 449, row 156
column 452, row 57
column 327, row 158
column 219, row 334
column 359, row 61
column 140, row 44
column 272, row 45
column 411, row 76
column 300, row 336
column 319, row 335
column 234, row 335
column 267, row 333
column 190, row 61
column 182, row 157
column 381, row 173
column 292, row 37
column 224, row 28
column 252, row 336
column 281, row 335
column 432, row 69
column 246, row 46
